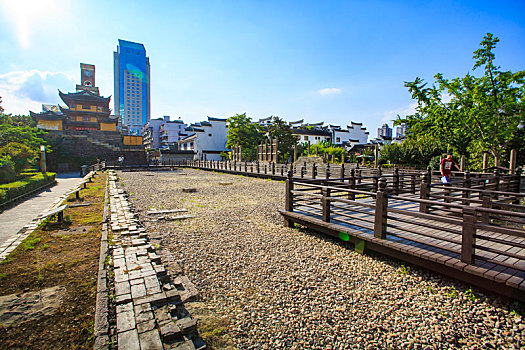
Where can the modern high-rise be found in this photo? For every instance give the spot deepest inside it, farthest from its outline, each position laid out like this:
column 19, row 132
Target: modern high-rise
column 132, row 86
column 384, row 132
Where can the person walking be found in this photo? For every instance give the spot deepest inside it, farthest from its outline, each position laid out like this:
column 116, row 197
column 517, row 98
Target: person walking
column 446, row 167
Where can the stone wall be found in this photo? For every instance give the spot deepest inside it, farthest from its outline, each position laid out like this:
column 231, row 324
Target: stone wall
column 72, row 148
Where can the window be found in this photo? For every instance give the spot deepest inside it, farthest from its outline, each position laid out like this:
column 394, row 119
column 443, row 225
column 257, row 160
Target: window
column 338, row 139
column 306, row 138
column 86, row 107
column 86, row 119
column 209, row 134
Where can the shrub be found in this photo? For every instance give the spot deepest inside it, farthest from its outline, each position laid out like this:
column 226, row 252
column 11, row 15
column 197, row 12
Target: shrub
column 18, row 188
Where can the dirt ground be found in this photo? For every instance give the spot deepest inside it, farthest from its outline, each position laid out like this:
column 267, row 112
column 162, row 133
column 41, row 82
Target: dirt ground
column 55, row 257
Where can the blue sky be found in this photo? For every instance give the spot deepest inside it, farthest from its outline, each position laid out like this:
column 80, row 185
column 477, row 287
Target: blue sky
column 336, row 62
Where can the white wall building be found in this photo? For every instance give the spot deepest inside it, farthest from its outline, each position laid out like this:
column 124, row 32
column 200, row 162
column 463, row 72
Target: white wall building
column 354, row 133
column 151, row 133
column 162, row 133
column 171, row 132
column 313, row 136
column 207, row 139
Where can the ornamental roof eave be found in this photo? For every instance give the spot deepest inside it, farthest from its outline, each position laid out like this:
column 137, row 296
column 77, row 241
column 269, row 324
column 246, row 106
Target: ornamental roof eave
column 83, row 95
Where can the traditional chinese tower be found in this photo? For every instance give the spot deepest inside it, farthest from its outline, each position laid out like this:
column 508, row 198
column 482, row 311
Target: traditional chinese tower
column 86, row 109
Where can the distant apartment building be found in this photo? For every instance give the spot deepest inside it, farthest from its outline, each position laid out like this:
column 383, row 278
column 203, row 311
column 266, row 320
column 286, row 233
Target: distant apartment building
column 401, row 131
column 171, row 132
column 206, row 139
column 151, row 133
column 132, row 86
column 161, row 133
column 384, row 132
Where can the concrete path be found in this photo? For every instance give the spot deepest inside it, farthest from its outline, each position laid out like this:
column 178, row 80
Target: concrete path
column 14, row 219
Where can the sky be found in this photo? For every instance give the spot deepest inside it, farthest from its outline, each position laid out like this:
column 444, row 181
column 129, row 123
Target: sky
column 334, row 61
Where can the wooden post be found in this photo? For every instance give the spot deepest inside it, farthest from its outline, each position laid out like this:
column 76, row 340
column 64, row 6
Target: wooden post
column 294, row 153
column 413, row 183
column 429, row 172
column 303, row 170
column 485, row 161
column 496, row 181
column 325, row 202
column 257, row 167
column 327, row 171
column 487, row 203
column 462, row 163
column 467, row 182
column 265, row 169
column 497, row 160
column 375, row 181
column 314, row 171
column 342, row 174
column 273, row 168
column 351, row 184
column 513, row 157
column 468, row 236
column 308, row 147
column 395, row 180
column 288, row 205
column 424, row 191
column 376, row 156
column 380, row 223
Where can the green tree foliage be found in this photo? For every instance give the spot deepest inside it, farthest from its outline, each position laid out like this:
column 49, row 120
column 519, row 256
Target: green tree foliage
column 20, row 143
column 282, row 131
column 418, row 151
column 470, row 114
column 242, row 132
column 325, row 148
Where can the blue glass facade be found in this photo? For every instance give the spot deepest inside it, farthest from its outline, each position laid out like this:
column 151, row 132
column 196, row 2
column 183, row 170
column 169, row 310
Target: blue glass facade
column 132, row 85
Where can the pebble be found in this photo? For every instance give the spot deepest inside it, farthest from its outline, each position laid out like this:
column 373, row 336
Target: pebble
column 291, row 288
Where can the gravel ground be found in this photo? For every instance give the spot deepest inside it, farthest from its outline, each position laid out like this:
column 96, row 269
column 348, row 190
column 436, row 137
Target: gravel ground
column 284, row 288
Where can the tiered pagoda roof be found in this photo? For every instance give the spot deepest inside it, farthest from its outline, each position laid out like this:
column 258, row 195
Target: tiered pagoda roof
column 84, row 96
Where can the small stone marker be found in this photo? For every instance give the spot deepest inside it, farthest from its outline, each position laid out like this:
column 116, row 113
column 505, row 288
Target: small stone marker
column 189, row 190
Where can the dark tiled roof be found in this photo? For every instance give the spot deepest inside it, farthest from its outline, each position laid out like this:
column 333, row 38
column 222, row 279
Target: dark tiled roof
column 212, row 119
column 48, row 115
column 84, row 95
column 316, row 132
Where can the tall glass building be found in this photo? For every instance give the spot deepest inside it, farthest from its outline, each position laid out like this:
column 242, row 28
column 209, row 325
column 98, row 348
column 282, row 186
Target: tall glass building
column 132, row 86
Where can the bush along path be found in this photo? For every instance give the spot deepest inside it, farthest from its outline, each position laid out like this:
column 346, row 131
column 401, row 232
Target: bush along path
column 48, row 283
column 146, row 308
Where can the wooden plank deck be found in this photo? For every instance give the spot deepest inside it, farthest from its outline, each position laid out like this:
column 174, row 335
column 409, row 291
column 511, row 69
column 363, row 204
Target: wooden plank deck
column 423, row 240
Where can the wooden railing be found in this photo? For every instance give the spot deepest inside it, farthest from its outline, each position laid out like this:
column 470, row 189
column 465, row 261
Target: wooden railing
column 447, row 225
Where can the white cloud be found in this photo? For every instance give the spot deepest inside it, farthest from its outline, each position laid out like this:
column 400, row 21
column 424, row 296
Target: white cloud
column 329, row 91
column 22, row 91
column 391, row 115
column 25, row 15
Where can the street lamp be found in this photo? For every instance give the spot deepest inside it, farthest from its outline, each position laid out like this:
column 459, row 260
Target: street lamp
column 43, row 159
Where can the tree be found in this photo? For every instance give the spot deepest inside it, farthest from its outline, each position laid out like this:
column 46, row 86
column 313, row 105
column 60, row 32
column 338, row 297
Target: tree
column 472, row 113
column 242, row 132
column 20, row 144
column 282, row 131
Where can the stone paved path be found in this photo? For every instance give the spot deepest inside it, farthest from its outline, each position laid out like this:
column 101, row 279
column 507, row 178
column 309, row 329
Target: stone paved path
column 14, row 219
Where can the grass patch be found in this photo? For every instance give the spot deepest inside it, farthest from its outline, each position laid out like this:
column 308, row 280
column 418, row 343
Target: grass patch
column 48, row 259
column 25, row 185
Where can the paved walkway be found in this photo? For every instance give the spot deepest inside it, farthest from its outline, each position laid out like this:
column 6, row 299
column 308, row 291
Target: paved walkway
column 14, row 219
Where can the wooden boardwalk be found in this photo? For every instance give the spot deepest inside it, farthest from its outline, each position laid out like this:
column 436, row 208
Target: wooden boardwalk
column 448, row 238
